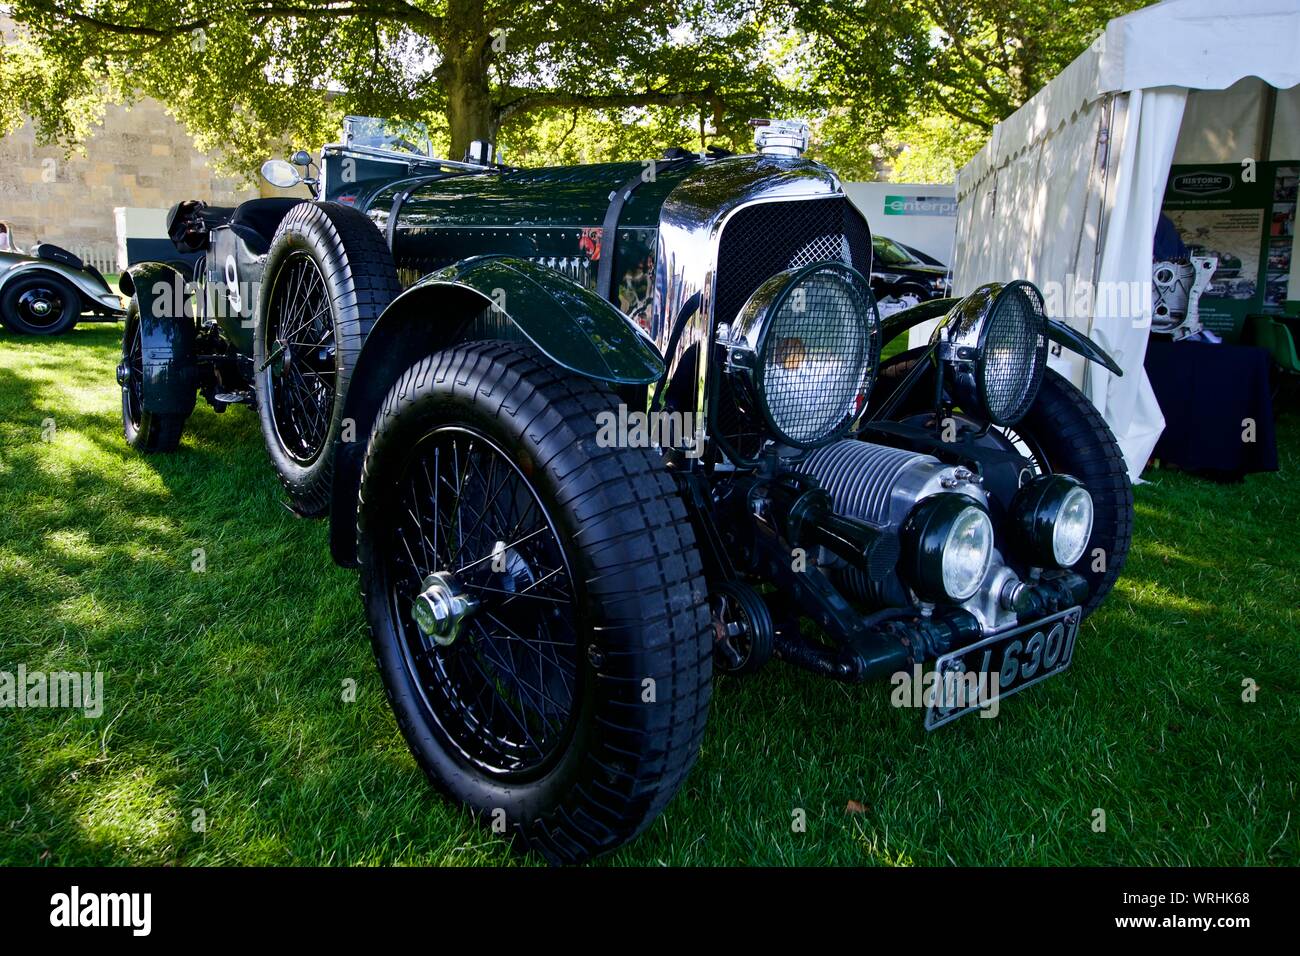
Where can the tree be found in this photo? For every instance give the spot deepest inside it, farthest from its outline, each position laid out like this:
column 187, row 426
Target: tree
column 244, row 74
column 903, row 68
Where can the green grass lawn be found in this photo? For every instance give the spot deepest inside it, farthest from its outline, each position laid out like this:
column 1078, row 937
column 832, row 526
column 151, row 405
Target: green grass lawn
column 224, row 688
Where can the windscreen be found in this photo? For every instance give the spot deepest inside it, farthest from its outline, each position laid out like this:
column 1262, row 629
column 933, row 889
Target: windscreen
column 377, row 133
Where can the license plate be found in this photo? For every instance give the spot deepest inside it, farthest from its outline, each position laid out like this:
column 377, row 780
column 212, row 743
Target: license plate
column 972, row 677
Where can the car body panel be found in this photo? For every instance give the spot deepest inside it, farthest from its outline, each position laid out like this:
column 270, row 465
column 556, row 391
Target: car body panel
column 234, row 266
column 553, row 217
column 1057, row 331
column 94, row 290
column 567, row 322
column 167, row 338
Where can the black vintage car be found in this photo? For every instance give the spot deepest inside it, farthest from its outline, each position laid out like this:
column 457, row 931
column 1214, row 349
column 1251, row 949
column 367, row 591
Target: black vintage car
column 593, row 434
column 901, row 276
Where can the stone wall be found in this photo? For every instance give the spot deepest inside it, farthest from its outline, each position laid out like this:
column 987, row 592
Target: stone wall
column 139, row 156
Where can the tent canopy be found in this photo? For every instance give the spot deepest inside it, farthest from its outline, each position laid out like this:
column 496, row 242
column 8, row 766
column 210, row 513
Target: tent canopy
column 1067, row 191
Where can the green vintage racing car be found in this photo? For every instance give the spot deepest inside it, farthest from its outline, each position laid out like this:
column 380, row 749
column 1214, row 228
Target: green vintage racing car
column 463, row 367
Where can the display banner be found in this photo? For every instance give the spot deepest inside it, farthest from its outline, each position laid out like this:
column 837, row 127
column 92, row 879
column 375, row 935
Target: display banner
column 1244, row 215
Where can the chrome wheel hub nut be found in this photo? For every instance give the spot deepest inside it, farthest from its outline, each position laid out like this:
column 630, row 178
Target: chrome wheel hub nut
column 441, row 607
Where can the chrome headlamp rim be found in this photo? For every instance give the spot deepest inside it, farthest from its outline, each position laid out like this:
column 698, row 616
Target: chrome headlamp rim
column 747, row 340
column 1035, row 513
column 963, row 339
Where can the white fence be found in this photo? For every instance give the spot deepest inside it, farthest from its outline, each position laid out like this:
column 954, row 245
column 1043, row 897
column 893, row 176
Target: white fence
column 103, row 256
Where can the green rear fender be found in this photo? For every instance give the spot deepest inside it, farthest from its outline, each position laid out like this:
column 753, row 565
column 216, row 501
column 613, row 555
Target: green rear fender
column 167, row 337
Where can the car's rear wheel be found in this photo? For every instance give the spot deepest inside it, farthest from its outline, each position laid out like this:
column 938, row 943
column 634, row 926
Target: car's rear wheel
column 536, row 602
column 144, row 431
column 1063, row 433
column 39, row 304
column 328, row 276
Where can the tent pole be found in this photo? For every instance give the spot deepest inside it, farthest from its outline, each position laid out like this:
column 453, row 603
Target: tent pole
column 1268, row 111
column 1105, row 144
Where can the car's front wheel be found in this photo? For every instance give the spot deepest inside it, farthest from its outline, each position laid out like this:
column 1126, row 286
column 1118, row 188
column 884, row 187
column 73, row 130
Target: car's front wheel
column 536, row 601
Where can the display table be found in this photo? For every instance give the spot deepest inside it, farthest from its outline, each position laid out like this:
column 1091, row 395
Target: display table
column 1206, row 391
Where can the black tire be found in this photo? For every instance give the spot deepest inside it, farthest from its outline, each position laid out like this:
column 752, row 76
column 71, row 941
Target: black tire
column 300, row 393
column 638, row 609
column 39, row 303
column 144, row 431
column 1070, row 434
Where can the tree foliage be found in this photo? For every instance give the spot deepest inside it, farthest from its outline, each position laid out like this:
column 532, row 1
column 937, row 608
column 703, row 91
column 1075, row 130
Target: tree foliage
column 912, row 83
column 936, row 75
column 245, row 74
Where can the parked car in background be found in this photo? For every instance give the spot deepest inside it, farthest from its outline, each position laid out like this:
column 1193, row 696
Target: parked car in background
column 924, row 257
column 901, row 278
column 49, row 290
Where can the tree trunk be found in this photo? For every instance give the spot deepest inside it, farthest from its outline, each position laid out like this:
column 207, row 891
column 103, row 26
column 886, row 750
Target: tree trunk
column 470, row 112
column 467, row 49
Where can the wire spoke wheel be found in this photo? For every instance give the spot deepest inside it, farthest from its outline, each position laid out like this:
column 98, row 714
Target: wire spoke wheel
column 535, row 599
column 300, row 340
column 1024, row 444
column 503, row 687
column 327, row 277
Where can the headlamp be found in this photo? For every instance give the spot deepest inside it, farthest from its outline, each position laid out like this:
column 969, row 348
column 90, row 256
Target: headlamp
column 947, row 546
column 994, row 348
column 804, row 352
column 1053, row 515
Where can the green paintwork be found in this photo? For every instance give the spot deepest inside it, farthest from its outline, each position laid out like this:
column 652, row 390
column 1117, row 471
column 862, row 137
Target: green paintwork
column 167, row 337
column 570, row 324
column 551, row 216
column 904, row 319
column 537, row 198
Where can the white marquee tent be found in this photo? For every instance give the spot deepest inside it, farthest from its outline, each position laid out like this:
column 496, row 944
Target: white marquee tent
column 1068, row 189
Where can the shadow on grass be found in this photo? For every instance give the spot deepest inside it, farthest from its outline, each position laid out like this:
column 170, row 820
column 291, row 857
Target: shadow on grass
column 225, row 637
column 225, row 686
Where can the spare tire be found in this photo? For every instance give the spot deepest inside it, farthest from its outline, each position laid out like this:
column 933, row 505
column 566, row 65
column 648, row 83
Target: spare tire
column 328, row 276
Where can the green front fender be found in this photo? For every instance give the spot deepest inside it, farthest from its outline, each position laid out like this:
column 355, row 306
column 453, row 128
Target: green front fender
column 570, row 324
column 486, row 297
